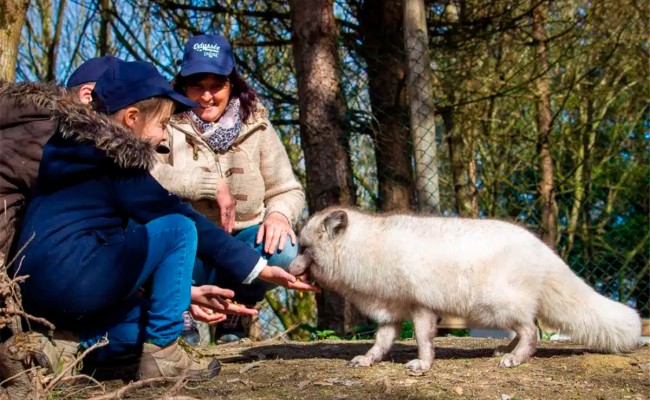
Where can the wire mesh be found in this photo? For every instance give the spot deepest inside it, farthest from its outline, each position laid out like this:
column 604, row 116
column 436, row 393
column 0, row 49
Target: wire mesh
column 483, row 162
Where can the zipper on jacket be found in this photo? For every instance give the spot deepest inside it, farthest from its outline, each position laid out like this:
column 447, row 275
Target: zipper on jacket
column 195, row 151
column 190, row 138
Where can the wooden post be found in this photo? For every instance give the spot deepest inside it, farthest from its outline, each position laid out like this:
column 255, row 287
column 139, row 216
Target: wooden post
column 420, row 93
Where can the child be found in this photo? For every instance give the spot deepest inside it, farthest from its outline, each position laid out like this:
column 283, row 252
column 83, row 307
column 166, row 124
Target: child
column 87, row 260
column 25, row 126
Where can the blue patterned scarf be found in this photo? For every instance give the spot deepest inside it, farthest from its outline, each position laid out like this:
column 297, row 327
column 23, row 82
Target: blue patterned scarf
column 221, row 134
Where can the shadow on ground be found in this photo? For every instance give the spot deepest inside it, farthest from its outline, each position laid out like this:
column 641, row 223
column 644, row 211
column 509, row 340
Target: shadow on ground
column 400, row 353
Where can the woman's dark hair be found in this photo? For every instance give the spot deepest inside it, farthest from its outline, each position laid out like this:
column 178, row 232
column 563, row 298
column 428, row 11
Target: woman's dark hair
column 239, row 88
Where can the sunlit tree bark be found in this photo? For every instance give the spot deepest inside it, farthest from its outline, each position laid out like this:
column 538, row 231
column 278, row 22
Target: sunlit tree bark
column 546, row 184
column 12, row 18
column 380, row 25
column 421, row 100
column 329, row 177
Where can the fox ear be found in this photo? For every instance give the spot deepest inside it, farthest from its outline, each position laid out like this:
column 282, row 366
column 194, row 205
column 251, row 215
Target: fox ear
column 335, row 223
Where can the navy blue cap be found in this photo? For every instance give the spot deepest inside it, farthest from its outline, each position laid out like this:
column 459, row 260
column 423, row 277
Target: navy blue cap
column 207, row 54
column 127, row 83
column 90, row 70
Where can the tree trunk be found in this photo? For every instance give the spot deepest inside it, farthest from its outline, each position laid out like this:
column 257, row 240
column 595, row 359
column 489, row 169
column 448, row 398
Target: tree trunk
column 329, row 176
column 329, row 180
column 543, row 102
column 463, row 170
column 105, row 19
column 420, row 91
column 14, row 363
column 12, row 18
column 582, row 163
column 53, row 45
column 380, row 25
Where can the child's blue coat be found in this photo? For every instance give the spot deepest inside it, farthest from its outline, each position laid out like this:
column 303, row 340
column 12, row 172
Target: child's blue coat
column 93, row 179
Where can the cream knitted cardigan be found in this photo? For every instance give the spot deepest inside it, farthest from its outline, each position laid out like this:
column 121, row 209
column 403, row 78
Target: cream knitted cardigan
column 256, row 166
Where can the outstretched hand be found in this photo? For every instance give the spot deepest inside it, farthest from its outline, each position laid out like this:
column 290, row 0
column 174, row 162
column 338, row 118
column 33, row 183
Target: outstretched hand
column 281, row 277
column 218, row 299
column 205, row 314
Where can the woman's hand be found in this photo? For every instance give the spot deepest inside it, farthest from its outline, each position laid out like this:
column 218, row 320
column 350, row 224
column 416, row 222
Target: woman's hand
column 218, row 299
column 226, row 202
column 281, row 277
column 273, row 232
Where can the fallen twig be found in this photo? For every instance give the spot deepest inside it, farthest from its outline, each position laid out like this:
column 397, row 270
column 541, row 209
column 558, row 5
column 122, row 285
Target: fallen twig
column 250, row 366
column 20, row 251
column 117, row 394
column 178, row 385
column 30, row 317
column 282, row 334
column 78, row 377
column 17, row 375
column 58, row 378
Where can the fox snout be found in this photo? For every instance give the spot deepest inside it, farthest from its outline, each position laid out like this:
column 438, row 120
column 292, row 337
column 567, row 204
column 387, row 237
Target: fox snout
column 299, row 265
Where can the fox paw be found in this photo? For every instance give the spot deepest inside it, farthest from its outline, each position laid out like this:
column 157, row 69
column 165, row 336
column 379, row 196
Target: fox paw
column 360, row 361
column 418, row 365
column 510, row 360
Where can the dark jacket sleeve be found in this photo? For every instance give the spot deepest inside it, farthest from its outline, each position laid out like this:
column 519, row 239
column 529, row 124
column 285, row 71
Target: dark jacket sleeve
column 23, row 133
column 143, row 199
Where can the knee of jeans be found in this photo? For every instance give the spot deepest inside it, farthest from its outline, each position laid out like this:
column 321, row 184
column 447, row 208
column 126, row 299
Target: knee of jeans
column 284, row 258
column 182, row 223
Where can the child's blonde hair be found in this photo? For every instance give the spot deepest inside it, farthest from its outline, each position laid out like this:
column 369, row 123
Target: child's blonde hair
column 149, row 107
column 155, row 106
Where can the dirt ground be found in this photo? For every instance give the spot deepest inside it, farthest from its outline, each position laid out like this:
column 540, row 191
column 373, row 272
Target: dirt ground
column 464, row 369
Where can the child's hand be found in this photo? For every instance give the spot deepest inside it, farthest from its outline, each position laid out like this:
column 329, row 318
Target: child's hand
column 204, row 314
column 281, row 277
column 218, row 299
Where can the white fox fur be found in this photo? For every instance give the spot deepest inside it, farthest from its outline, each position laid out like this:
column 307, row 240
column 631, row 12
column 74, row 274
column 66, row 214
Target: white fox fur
column 495, row 274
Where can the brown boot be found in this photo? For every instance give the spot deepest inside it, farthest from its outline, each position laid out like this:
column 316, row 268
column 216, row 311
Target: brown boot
column 174, row 360
column 56, row 352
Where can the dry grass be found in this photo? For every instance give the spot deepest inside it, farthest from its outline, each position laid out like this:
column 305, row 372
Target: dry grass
column 464, row 369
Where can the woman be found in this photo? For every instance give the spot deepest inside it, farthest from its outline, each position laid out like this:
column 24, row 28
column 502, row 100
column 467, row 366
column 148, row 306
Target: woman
column 225, row 148
column 99, row 228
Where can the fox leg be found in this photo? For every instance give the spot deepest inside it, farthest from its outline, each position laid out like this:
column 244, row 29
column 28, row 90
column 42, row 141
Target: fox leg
column 425, row 325
column 502, row 350
column 526, row 344
column 386, row 334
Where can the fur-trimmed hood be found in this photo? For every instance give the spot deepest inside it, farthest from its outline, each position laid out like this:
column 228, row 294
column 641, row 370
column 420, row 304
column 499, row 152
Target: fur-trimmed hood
column 78, row 122
column 35, row 95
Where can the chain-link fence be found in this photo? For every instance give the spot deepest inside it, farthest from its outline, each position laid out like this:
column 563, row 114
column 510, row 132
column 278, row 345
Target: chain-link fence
column 482, row 161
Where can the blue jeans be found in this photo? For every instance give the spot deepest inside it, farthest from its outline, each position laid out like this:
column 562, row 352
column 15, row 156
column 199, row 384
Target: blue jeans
column 246, row 294
column 154, row 316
